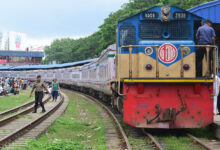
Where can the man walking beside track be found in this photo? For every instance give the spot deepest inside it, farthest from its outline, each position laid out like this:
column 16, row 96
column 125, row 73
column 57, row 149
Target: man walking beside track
column 38, row 86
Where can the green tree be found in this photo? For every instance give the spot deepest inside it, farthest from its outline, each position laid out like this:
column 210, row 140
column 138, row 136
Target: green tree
column 68, row 50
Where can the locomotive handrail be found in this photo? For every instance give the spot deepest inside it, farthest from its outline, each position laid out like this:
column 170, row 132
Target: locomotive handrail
column 213, row 46
column 157, row 62
column 181, row 67
column 207, row 74
column 215, row 58
column 130, row 61
column 181, row 46
column 207, row 50
column 119, row 72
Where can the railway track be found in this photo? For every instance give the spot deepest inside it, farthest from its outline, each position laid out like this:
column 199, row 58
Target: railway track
column 20, row 123
column 15, row 109
column 14, row 113
column 203, row 143
column 123, row 137
column 155, row 142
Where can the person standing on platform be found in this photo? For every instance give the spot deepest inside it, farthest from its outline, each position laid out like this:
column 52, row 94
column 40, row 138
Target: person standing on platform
column 38, row 86
column 218, row 98
column 205, row 36
column 6, row 82
column 25, row 84
column 218, row 105
column 216, row 93
column 55, row 89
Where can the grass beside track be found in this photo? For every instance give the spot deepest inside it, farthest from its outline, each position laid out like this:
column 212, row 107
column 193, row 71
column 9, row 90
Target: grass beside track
column 171, row 142
column 8, row 102
column 79, row 128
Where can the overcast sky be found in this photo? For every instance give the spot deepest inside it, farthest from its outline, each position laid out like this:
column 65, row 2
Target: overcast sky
column 44, row 20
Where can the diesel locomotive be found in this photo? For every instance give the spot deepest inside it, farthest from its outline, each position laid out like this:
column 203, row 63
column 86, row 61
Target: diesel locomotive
column 156, row 70
column 149, row 75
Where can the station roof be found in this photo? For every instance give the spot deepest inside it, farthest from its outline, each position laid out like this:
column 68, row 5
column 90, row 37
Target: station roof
column 53, row 66
column 6, row 68
column 208, row 10
column 21, row 53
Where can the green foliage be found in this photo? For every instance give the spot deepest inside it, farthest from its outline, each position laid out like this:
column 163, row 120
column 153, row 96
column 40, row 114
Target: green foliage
column 69, row 50
column 56, row 145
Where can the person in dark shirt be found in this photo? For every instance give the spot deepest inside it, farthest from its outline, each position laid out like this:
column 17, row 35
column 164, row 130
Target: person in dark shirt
column 205, row 36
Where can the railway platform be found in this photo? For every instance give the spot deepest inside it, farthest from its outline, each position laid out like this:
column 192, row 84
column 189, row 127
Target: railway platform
column 217, row 126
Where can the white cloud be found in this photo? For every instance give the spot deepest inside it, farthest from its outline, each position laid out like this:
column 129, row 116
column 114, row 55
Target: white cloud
column 45, row 41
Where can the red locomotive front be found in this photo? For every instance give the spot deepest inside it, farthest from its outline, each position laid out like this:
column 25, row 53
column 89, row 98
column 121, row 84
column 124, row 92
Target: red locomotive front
column 168, row 105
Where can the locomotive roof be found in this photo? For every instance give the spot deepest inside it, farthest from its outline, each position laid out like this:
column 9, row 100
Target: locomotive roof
column 153, row 8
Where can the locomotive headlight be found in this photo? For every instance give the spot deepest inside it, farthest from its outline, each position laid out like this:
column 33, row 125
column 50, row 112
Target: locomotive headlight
column 186, row 67
column 186, row 50
column 148, row 50
column 148, row 67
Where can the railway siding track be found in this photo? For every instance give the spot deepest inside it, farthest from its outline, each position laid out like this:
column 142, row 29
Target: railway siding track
column 4, row 113
column 204, row 143
column 25, row 122
column 155, row 142
column 28, row 109
column 110, row 137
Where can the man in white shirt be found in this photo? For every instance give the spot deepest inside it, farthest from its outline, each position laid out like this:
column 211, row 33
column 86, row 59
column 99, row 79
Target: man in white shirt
column 216, row 95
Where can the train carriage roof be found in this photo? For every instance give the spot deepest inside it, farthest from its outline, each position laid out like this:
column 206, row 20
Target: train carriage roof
column 208, row 10
column 36, row 67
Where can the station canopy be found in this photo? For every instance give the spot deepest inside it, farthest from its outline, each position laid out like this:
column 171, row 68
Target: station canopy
column 52, row 66
column 210, row 10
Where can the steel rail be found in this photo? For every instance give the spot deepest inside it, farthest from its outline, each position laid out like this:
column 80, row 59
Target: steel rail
column 150, row 136
column 199, row 142
column 7, row 139
column 121, row 130
column 15, row 116
column 15, row 109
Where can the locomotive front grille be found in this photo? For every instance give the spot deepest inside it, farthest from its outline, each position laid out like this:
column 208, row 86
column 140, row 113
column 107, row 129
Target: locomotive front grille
column 155, row 29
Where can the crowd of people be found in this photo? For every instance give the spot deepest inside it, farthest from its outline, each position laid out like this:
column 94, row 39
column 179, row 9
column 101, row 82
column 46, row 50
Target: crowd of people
column 12, row 85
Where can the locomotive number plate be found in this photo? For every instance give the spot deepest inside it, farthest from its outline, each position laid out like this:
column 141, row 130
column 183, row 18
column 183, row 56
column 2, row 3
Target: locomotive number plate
column 150, row 15
column 180, row 15
column 167, row 53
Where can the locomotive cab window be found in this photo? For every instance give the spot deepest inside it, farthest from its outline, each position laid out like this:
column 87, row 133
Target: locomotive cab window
column 127, row 35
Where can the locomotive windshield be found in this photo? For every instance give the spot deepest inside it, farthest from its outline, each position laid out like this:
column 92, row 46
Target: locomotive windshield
column 156, row 30
column 127, row 35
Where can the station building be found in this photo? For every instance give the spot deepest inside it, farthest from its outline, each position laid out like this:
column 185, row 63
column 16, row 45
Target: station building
column 14, row 50
column 20, row 58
